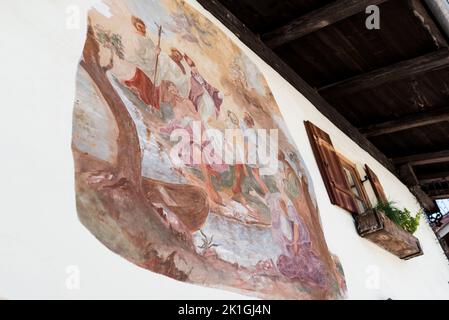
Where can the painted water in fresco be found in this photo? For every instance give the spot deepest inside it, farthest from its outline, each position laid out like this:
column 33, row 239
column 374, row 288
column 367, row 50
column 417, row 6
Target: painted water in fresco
column 149, row 68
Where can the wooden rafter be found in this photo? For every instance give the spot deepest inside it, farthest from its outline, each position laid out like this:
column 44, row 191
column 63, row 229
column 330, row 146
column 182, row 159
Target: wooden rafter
column 316, row 20
column 407, row 122
column 439, row 194
column 426, row 201
column 422, row 14
column 434, row 177
column 402, row 70
column 408, row 176
column 424, row 158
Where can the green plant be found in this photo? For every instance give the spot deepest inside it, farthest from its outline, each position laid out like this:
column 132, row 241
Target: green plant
column 402, row 218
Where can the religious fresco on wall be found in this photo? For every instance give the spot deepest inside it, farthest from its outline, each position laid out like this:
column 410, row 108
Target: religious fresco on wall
column 159, row 88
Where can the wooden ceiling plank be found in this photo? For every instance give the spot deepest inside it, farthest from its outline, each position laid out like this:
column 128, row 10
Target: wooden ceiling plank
column 399, row 71
column 439, row 192
column 424, row 158
column 440, row 196
column 270, row 57
column 316, row 20
column 433, row 177
column 407, row 122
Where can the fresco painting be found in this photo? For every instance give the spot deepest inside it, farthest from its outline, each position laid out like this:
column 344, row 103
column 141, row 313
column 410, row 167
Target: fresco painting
column 150, row 68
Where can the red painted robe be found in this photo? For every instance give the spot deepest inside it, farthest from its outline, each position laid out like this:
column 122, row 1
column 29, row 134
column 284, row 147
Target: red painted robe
column 145, row 89
column 200, row 86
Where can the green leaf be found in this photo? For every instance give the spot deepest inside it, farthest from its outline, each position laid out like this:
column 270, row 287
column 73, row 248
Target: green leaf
column 402, row 218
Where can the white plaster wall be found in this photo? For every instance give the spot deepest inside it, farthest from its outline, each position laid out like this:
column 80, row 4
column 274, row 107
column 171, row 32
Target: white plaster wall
column 40, row 236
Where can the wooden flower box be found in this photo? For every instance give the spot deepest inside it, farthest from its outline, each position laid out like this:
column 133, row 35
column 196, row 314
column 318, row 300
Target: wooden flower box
column 378, row 228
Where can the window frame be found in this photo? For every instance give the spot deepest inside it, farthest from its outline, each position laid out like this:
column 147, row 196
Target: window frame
column 376, row 185
column 363, row 197
column 330, row 168
column 335, row 170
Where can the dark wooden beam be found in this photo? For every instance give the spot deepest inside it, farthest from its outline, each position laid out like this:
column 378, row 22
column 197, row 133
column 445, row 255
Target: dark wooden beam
column 439, row 194
column 424, row 158
column 408, row 176
column 442, row 196
column 426, row 201
column 434, row 177
column 407, row 122
column 428, row 23
column 316, row 20
column 402, row 70
column 268, row 55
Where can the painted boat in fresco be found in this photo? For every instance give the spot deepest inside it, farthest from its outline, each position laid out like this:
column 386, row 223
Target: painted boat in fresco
column 194, row 207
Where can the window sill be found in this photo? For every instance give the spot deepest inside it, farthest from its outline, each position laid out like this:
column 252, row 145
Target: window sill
column 376, row 227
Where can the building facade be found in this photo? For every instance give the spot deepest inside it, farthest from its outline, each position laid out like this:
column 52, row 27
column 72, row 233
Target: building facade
column 335, row 179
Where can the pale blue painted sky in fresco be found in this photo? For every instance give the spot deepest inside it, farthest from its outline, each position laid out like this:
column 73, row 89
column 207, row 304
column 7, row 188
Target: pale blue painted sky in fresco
column 151, row 12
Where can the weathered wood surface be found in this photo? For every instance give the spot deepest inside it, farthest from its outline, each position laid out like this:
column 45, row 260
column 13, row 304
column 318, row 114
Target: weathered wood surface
column 424, row 158
column 407, row 122
column 402, row 70
column 421, row 13
column 439, row 194
column 377, row 228
column 439, row 176
column 316, row 20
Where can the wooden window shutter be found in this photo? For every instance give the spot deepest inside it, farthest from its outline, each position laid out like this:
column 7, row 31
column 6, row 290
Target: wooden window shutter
column 375, row 183
column 331, row 169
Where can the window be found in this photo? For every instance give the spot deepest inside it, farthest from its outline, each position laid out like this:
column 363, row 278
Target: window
column 355, row 185
column 340, row 175
column 331, row 169
column 375, row 183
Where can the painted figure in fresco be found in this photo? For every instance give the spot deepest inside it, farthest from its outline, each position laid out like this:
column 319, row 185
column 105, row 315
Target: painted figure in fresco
column 240, row 170
column 183, row 85
column 173, row 84
column 298, row 260
column 183, row 111
column 154, row 66
column 205, row 97
column 179, row 72
column 145, row 59
column 207, row 101
column 297, row 189
column 248, row 127
column 250, row 135
column 292, row 185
